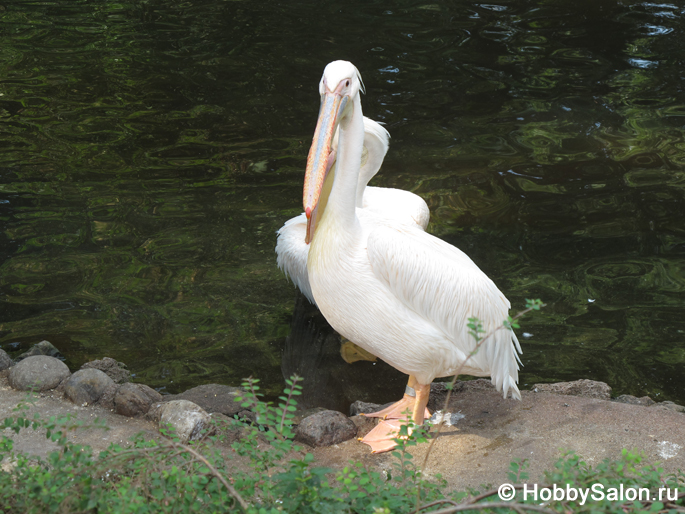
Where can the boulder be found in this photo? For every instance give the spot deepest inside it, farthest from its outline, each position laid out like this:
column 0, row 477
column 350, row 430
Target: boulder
column 42, row 348
column 360, row 407
column 646, row 401
column 188, row 420
column 115, row 370
column 38, row 373
column 5, row 361
column 325, row 429
column 667, row 405
column 87, row 386
column 584, row 387
column 364, row 424
column 134, row 400
column 212, row 398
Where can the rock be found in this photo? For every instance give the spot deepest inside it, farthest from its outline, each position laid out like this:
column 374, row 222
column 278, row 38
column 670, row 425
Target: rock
column 669, row 406
column 115, row 370
column 634, row 400
column 228, row 429
column 436, row 400
column 298, row 416
column 87, row 386
column 38, row 372
column 325, row 429
column 42, row 348
column 106, row 401
column 187, row 419
column 364, row 424
column 212, row 398
column 360, row 407
column 584, row 387
column 5, row 361
column 134, row 400
column 247, row 416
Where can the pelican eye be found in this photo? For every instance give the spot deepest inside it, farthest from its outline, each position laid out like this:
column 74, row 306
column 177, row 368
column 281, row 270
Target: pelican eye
column 347, row 83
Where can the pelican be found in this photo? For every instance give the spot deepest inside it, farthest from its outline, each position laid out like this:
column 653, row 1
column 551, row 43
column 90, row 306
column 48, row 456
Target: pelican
column 396, row 291
column 387, row 204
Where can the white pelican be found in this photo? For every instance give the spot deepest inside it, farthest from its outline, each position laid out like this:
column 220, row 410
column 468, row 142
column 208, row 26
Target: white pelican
column 389, row 205
column 396, row 291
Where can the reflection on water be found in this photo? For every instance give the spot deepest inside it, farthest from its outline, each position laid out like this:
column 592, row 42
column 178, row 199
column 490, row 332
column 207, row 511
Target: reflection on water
column 312, row 351
column 150, row 151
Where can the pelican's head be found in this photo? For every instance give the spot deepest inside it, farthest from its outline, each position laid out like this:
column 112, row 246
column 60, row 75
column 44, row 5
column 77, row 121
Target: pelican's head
column 339, row 84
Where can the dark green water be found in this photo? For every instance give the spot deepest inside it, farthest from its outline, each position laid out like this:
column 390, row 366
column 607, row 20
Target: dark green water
column 149, row 150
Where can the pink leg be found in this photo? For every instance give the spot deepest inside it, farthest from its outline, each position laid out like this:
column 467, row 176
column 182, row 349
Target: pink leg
column 380, row 439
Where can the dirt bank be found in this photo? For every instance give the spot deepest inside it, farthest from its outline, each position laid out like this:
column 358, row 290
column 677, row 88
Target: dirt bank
column 476, row 451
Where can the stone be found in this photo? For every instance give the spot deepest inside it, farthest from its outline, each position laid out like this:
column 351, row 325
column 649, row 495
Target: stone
column 39, row 373
column 584, row 387
column 364, row 424
column 188, row 420
column 86, row 386
column 360, row 407
column 5, row 361
column 106, row 401
column 646, row 401
column 134, row 400
column 42, row 348
column 212, row 398
column 667, row 405
column 298, row 416
column 325, row 429
column 115, row 370
column 439, row 391
column 229, row 430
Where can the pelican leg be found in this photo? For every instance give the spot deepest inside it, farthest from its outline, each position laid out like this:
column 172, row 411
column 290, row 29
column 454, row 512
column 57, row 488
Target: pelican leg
column 381, row 438
column 420, row 412
column 403, row 408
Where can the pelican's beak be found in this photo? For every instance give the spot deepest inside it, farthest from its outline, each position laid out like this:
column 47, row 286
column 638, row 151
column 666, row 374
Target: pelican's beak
column 321, row 157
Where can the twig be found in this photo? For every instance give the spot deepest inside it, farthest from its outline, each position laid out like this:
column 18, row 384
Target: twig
column 433, row 504
column 518, row 507
column 491, row 492
column 215, row 472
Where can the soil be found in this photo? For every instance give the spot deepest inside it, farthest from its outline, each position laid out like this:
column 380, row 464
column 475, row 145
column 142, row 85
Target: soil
column 475, row 451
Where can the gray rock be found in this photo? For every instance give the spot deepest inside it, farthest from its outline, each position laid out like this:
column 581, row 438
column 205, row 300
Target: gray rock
column 634, row 400
column 212, row 398
column 360, row 407
column 669, row 406
column 42, row 348
column 5, row 361
column 134, row 400
column 325, row 429
column 38, row 372
column 436, row 400
column 584, row 387
column 229, row 430
column 364, row 424
column 298, row 416
column 87, row 386
column 115, row 370
column 188, row 420
column 106, row 401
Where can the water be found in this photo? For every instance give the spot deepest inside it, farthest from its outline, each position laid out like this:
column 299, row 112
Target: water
column 150, row 151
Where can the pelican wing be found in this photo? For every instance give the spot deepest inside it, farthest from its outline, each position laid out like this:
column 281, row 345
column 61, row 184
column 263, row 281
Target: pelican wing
column 397, row 204
column 292, row 251
column 444, row 286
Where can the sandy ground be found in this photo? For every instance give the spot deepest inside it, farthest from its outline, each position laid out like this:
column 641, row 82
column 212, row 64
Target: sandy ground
column 476, row 451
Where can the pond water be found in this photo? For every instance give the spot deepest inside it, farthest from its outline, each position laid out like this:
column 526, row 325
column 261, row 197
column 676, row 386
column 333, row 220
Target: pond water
column 150, row 151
